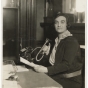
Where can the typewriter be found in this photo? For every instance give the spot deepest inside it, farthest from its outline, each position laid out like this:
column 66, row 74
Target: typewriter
column 36, row 55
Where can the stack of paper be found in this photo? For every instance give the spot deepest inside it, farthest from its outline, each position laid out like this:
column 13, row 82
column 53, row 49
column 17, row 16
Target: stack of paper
column 21, row 69
column 8, row 70
column 10, row 84
column 8, row 67
column 27, row 62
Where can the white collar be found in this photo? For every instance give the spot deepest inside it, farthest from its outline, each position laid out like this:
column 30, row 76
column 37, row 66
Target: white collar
column 62, row 36
column 65, row 34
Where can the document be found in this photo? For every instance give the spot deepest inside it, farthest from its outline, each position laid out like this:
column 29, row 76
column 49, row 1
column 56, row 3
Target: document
column 10, row 84
column 8, row 70
column 22, row 69
column 8, row 67
column 9, row 77
column 27, row 62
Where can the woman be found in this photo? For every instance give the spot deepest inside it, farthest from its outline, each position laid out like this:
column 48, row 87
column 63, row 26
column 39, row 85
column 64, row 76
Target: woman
column 65, row 58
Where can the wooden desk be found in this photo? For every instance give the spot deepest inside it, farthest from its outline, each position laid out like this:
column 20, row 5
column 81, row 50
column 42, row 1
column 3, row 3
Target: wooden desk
column 32, row 79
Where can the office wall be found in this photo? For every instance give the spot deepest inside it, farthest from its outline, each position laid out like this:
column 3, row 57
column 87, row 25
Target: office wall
column 40, row 16
column 68, row 6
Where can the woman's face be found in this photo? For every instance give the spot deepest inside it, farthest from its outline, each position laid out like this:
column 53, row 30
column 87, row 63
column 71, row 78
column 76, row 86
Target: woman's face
column 60, row 24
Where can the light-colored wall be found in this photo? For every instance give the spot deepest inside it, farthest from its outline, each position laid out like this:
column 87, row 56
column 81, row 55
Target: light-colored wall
column 66, row 6
column 40, row 16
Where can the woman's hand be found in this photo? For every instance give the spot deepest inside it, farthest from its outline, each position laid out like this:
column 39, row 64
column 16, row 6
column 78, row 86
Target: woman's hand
column 41, row 69
column 46, row 49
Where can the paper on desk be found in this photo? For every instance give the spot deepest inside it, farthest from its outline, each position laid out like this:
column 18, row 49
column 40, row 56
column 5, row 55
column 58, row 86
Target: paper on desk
column 8, row 67
column 82, row 46
column 21, row 69
column 10, row 84
column 7, row 71
column 27, row 62
column 7, row 74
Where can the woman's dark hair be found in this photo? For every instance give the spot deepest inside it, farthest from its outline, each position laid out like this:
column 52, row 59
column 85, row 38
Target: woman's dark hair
column 65, row 15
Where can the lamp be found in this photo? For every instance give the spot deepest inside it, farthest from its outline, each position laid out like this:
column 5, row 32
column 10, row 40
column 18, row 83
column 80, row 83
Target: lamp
column 80, row 9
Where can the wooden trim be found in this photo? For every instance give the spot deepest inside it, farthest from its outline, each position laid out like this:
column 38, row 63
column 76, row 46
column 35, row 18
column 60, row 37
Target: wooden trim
column 73, row 24
column 23, row 23
column 18, row 43
column 31, row 22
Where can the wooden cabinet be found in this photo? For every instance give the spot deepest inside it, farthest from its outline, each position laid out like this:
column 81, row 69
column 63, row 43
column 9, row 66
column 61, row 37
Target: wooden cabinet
column 27, row 23
column 55, row 6
column 52, row 7
column 77, row 29
column 19, row 25
column 10, row 27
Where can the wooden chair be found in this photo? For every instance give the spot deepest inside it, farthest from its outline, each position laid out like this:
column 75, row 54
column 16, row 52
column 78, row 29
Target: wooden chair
column 83, row 68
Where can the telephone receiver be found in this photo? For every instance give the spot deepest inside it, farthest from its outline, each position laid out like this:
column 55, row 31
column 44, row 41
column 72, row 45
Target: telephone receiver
column 36, row 53
column 39, row 53
column 47, row 41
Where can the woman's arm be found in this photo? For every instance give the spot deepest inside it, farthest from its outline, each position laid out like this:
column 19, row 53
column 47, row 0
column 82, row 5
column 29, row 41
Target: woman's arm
column 71, row 48
column 41, row 69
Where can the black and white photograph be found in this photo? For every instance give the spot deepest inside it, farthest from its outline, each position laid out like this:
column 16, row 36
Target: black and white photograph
column 43, row 43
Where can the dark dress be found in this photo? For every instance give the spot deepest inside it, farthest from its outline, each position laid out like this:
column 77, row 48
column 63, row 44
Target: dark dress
column 67, row 60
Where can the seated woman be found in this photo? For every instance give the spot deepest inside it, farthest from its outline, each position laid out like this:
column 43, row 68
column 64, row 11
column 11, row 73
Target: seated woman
column 65, row 59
